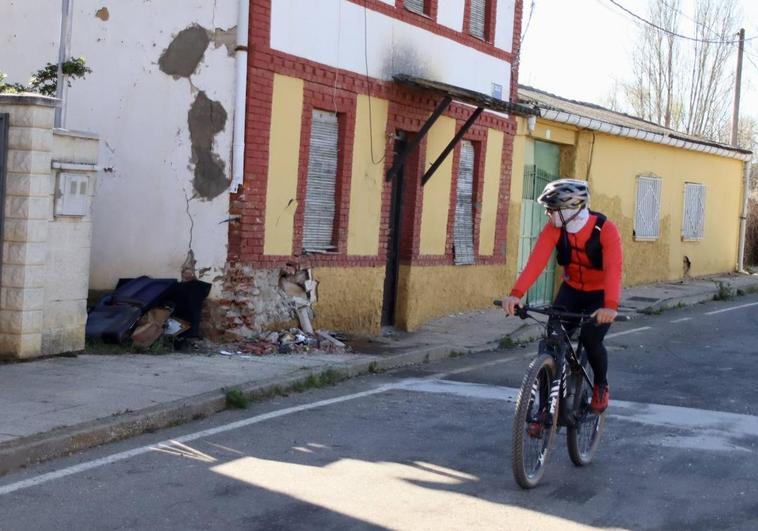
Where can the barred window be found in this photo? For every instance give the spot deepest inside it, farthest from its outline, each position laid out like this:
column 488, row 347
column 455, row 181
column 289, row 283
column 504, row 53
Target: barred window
column 647, row 215
column 318, row 225
column 463, row 228
column 478, row 18
column 693, row 218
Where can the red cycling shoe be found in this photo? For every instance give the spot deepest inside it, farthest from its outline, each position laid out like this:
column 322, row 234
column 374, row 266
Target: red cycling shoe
column 600, row 396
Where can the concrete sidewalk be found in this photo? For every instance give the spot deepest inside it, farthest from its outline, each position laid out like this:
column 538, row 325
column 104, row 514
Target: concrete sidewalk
column 56, row 406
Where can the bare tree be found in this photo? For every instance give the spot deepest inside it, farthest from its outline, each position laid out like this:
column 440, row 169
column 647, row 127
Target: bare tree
column 685, row 84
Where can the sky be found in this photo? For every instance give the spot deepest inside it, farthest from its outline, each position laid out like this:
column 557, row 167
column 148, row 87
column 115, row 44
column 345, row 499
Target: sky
column 578, row 49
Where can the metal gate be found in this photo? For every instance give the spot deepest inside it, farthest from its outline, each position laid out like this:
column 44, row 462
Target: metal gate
column 536, row 176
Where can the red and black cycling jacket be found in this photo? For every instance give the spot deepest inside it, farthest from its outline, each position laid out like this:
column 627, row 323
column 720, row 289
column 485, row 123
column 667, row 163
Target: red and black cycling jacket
column 579, row 273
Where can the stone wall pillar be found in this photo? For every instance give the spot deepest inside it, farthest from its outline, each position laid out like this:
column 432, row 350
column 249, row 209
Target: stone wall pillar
column 28, row 209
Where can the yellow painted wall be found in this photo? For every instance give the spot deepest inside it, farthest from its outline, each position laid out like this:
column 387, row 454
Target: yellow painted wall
column 491, row 191
column 428, row 292
column 283, row 158
column 612, row 165
column 367, row 177
column 553, row 132
column 520, row 153
column 437, row 191
column 616, row 164
column 349, row 298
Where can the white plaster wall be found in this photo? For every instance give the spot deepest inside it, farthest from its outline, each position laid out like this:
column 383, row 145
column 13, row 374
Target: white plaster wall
column 504, row 24
column 29, row 33
column 332, row 32
column 450, row 13
column 140, row 220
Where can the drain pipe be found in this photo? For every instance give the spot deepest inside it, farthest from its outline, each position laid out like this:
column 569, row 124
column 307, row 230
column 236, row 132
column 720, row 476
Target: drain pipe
column 743, row 217
column 240, row 97
column 63, row 52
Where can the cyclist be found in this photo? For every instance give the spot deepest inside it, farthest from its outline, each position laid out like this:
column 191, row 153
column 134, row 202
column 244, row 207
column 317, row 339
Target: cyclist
column 589, row 249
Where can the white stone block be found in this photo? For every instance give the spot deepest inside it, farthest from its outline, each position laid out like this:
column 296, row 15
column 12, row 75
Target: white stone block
column 65, row 314
column 21, row 161
column 28, row 208
column 30, row 139
column 59, row 340
column 26, row 184
column 26, row 230
column 22, row 299
column 30, row 254
column 22, row 276
column 30, row 116
column 68, row 147
column 21, row 346
column 18, row 322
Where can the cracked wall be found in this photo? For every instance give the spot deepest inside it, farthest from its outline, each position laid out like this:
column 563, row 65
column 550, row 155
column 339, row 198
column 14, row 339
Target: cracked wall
column 161, row 97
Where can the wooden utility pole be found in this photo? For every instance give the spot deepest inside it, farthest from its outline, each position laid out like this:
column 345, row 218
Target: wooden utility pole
column 737, row 84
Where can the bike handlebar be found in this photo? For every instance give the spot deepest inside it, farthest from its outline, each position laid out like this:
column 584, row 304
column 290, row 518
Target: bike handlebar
column 522, row 312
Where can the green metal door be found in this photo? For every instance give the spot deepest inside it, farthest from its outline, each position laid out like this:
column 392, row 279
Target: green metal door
column 546, row 168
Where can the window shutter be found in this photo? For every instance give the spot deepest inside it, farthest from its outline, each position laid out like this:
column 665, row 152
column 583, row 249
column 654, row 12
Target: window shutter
column 477, row 18
column 647, row 217
column 417, row 6
column 318, row 226
column 693, row 219
column 463, row 229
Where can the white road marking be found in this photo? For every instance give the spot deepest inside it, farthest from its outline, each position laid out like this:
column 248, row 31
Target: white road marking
column 733, row 308
column 681, row 320
column 122, row 456
column 484, row 365
column 726, row 424
column 715, row 427
column 625, row 332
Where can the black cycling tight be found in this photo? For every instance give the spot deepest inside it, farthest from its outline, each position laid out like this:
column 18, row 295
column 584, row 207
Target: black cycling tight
column 576, row 301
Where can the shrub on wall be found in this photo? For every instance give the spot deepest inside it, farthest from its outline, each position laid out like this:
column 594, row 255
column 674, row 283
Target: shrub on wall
column 751, row 235
column 45, row 80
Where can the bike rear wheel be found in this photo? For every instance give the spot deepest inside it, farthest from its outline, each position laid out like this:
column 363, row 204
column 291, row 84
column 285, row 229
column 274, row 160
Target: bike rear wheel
column 584, row 436
column 533, row 429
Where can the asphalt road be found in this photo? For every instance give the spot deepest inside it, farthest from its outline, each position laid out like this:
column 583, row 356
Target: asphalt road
column 429, row 448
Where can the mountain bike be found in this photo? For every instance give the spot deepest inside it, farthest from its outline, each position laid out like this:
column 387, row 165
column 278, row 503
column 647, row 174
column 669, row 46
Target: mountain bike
column 556, row 392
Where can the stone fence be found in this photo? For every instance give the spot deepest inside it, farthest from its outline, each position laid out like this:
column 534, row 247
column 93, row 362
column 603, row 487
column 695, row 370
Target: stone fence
column 47, row 229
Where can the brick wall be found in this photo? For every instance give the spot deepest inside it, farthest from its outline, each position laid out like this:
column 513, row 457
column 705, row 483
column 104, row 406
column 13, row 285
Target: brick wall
column 336, row 90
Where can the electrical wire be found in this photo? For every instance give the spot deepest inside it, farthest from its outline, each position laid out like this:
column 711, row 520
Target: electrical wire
column 368, row 86
column 528, row 21
column 656, row 26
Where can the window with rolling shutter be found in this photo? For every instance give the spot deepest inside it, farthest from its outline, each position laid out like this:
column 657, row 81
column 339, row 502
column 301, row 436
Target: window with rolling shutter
column 463, row 228
column 477, row 18
column 318, row 217
column 417, row 6
column 693, row 218
column 647, row 216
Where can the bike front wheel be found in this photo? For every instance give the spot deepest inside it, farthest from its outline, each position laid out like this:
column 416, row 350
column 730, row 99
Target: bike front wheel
column 533, row 426
column 584, row 436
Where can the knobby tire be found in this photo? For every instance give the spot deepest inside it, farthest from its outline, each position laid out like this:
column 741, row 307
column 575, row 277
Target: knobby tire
column 526, row 475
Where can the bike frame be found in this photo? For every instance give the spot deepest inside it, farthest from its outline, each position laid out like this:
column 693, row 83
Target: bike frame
column 557, row 343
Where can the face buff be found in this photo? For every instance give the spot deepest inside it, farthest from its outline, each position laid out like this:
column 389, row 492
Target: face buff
column 576, row 219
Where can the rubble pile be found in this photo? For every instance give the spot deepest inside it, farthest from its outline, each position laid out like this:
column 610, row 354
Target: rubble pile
column 289, row 341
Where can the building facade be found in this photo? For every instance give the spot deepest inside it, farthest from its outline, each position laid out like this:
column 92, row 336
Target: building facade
column 326, row 119
column 677, row 200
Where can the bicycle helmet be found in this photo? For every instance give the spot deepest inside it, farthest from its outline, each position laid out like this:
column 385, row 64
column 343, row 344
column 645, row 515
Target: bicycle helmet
column 565, row 193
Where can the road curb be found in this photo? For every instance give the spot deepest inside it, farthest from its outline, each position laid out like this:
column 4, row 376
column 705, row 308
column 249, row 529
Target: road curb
column 24, row 451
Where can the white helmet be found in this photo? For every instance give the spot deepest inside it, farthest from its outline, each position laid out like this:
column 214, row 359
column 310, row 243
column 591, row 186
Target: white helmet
column 565, row 193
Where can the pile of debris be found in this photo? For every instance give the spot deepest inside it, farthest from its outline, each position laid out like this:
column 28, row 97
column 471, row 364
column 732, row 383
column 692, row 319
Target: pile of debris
column 290, row 341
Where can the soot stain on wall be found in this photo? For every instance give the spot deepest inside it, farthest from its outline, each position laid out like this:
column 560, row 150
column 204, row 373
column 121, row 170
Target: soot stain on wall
column 206, row 119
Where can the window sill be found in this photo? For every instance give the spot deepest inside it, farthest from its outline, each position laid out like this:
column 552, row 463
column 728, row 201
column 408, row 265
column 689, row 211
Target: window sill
column 425, row 15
